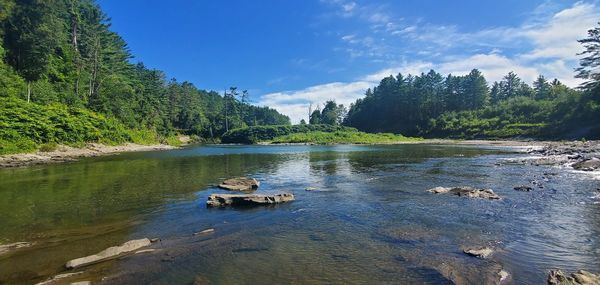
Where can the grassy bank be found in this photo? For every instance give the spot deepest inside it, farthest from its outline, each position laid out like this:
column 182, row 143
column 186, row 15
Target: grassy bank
column 343, row 137
column 27, row 127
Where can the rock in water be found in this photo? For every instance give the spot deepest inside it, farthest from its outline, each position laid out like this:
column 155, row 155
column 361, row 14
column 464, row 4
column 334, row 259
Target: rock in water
column 523, row 188
column 221, row 200
column 466, row 192
column 4, row 248
column 475, row 193
column 240, row 184
column 582, row 277
column 481, row 252
column 503, row 275
column 439, row 190
column 109, row 253
column 588, row 164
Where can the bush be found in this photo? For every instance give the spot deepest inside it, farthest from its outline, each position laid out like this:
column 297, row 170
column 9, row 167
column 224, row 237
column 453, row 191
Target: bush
column 256, row 134
column 48, row 147
column 337, row 137
column 24, row 125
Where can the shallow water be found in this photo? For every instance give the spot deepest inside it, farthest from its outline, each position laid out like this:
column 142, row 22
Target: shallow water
column 370, row 220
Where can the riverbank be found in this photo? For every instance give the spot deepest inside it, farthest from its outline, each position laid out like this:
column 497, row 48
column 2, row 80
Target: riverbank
column 65, row 153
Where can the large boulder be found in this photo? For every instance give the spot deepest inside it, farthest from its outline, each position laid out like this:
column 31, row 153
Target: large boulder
column 588, row 164
column 109, row 253
column 240, row 184
column 581, row 277
column 221, row 200
column 466, row 191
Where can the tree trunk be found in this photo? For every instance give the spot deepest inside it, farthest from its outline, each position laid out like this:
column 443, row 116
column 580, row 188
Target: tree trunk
column 28, row 91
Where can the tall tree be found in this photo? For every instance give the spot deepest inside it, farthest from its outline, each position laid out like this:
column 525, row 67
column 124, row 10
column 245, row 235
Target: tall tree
column 32, row 34
column 589, row 69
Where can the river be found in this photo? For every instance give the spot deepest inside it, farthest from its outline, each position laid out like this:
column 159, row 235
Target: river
column 369, row 220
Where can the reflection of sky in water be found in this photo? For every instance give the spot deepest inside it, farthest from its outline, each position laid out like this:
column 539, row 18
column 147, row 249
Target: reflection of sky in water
column 368, row 220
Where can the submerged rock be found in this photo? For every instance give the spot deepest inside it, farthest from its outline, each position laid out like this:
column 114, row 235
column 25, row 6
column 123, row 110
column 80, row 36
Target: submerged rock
column 590, row 164
column 523, row 188
column 207, row 231
column 466, row 191
column 503, row 275
column 240, row 184
column 581, row 277
column 59, row 277
column 221, row 200
column 481, row 252
column 109, row 253
column 4, row 248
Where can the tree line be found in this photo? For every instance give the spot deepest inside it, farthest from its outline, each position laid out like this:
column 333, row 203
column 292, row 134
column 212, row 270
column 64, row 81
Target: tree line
column 63, row 51
column 433, row 105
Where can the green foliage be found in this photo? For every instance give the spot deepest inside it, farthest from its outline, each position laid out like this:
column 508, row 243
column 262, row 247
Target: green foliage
column 256, row 134
column 589, row 64
column 143, row 137
column 48, row 147
column 342, row 137
column 172, row 140
column 26, row 123
column 404, row 104
column 459, row 107
column 332, row 114
column 16, row 144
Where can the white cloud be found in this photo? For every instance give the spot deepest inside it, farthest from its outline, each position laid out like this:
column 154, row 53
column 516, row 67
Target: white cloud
column 558, row 38
column 295, row 104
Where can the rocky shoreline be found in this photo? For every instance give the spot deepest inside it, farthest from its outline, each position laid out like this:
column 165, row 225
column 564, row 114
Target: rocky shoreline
column 578, row 155
column 66, row 153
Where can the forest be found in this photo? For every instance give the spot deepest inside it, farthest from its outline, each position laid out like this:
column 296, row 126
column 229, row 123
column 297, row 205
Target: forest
column 62, row 55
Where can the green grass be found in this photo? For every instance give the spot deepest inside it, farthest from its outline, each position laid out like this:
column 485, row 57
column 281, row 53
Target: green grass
column 343, row 137
column 172, row 140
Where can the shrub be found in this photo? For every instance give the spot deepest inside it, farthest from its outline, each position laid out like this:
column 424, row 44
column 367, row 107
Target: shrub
column 250, row 135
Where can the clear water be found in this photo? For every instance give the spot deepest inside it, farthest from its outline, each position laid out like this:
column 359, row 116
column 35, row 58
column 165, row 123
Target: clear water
column 370, row 222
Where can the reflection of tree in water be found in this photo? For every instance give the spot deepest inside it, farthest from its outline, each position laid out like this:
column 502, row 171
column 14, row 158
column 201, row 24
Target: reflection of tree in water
column 72, row 210
column 324, row 162
column 398, row 156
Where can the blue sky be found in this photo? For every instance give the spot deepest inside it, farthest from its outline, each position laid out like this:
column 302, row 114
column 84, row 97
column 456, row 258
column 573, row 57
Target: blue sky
column 289, row 54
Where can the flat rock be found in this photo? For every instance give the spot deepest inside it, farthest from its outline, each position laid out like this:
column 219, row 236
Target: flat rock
column 481, row 252
column 59, row 277
column 581, row 277
column 240, row 184
column 207, row 231
column 503, row 275
column 4, row 248
column 523, row 188
column 109, row 253
column 221, row 200
column 439, row 190
column 590, row 164
column 466, row 191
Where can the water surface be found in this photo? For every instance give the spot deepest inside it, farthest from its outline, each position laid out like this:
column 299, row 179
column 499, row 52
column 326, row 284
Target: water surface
column 370, row 221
